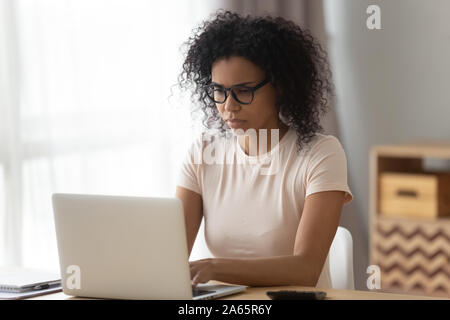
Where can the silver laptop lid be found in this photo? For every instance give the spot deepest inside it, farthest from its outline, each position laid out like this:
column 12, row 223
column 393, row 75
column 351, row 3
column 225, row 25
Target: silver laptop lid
column 122, row 247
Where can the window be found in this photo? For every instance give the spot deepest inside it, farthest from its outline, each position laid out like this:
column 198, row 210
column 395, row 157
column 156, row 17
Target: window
column 87, row 108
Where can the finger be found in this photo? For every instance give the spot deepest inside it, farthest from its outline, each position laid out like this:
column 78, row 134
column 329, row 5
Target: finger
column 201, row 277
column 196, row 280
column 195, row 267
column 194, row 270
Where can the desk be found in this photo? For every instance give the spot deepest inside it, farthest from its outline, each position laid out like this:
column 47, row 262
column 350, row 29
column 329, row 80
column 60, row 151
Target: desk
column 259, row 293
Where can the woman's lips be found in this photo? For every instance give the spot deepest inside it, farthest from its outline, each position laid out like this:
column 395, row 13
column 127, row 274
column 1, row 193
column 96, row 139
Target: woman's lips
column 235, row 123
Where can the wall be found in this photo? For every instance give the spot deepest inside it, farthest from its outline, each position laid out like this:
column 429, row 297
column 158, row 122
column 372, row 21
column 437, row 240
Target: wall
column 392, row 85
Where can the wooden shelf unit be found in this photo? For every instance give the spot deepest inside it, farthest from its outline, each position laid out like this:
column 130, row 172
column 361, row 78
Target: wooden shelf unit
column 413, row 253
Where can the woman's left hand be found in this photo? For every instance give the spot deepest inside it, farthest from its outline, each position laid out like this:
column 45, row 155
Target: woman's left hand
column 203, row 270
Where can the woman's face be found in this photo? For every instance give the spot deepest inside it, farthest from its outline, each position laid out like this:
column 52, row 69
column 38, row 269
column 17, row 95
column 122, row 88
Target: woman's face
column 261, row 113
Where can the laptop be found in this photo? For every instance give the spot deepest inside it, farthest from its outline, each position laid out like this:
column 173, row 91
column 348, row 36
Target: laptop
column 126, row 248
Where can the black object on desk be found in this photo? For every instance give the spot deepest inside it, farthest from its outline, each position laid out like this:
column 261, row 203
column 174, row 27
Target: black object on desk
column 296, row 295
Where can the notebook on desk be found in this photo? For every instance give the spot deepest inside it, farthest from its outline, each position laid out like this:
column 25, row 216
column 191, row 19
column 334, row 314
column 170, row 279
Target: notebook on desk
column 17, row 283
column 17, row 280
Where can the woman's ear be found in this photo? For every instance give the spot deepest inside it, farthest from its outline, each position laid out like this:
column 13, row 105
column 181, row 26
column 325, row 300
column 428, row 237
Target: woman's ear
column 278, row 99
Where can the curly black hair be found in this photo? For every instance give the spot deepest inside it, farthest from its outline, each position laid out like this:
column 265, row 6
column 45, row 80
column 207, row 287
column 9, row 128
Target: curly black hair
column 293, row 60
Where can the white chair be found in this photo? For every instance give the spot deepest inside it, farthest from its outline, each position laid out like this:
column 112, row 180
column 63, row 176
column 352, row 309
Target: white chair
column 341, row 260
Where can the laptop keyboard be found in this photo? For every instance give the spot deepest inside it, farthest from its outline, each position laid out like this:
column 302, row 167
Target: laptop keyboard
column 198, row 292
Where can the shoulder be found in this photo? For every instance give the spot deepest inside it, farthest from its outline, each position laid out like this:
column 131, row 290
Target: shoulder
column 321, row 144
column 323, row 139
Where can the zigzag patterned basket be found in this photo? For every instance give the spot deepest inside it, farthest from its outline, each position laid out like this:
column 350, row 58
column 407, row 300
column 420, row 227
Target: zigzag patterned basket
column 413, row 256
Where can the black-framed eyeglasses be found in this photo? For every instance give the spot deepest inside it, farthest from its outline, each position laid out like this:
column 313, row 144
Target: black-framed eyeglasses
column 242, row 93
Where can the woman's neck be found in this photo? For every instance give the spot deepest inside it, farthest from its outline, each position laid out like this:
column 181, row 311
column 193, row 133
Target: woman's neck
column 266, row 140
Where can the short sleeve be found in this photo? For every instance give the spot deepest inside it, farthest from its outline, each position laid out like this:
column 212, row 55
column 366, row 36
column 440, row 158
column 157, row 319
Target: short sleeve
column 327, row 168
column 189, row 175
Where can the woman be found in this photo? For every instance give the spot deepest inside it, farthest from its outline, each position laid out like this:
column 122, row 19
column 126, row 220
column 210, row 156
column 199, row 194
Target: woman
column 253, row 73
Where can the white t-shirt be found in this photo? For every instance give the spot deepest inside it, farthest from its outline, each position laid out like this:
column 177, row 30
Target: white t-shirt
column 252, row 205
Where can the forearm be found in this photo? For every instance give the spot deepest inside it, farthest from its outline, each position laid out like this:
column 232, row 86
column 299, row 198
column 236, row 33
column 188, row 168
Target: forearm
column 282, row 270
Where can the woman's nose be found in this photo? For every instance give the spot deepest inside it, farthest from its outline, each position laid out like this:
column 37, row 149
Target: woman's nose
column 231, row 104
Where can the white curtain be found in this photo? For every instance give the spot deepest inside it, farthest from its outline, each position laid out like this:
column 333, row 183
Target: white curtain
column 87, row 105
